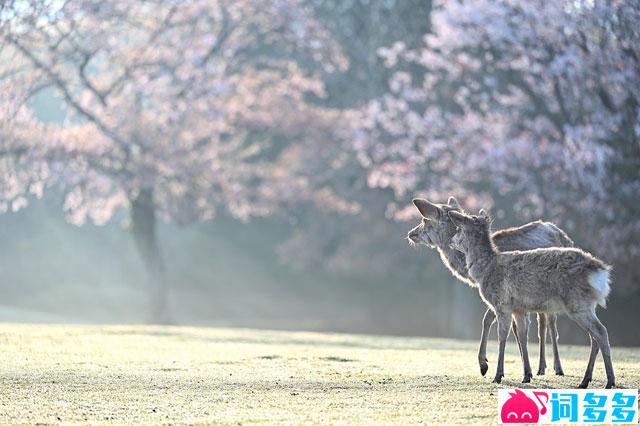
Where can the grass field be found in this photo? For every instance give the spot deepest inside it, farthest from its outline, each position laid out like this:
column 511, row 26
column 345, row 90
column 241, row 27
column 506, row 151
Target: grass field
column 141, row 374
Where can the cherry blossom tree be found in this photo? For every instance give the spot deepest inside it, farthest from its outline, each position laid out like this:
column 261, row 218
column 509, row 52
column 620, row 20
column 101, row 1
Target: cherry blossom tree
column 176, row 110
column 532, row 104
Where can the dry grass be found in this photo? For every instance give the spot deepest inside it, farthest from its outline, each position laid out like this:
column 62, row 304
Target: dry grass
column 139, row 374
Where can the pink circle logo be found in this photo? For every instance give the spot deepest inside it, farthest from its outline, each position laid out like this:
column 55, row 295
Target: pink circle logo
column 519, row 408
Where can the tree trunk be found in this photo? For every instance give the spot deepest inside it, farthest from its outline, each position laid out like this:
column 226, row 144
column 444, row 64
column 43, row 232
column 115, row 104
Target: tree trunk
column 143, row 228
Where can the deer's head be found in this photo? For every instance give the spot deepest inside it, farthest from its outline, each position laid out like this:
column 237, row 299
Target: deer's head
column 471, row 229
column 436, row 228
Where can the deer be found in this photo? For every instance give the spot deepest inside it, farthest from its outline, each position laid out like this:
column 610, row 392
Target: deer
column 551, row 280
column 436, row 231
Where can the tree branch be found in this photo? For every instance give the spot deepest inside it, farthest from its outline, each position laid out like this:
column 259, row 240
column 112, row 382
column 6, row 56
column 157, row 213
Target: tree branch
column 61, row 85
column 83, row 76
column 152, row 38
column 97, row 162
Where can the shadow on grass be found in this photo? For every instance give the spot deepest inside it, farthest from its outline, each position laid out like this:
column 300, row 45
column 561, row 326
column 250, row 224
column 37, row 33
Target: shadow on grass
column 303, row 338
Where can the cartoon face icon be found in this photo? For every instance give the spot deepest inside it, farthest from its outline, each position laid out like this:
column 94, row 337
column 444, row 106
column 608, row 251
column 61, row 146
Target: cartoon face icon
column 519, row 408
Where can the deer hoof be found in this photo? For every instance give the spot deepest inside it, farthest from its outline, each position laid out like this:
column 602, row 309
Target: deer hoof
column 541, row 371
column 527, row 378
column 584, row 384
column 609, row 385
column 483, row 368
column 559, row 372
column 498, row 378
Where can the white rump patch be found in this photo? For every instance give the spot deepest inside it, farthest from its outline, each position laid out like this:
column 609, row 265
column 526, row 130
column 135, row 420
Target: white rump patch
column 599, row 281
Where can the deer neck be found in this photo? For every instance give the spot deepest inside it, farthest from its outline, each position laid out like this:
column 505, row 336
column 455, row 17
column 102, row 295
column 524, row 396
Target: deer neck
column 455, row 260
column 479, row 257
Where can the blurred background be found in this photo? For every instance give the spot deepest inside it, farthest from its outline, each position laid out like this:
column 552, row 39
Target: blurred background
column 252, row 163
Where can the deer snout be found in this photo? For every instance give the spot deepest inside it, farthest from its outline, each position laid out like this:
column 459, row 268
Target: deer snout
column 413, row 236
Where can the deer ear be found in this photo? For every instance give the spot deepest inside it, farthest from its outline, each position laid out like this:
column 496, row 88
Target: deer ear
column 458, row 218
column 454, row 203
column 482, row 214
column 427, row 209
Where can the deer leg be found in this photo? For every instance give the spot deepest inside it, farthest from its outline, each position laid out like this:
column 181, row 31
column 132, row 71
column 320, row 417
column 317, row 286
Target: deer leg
column 542, row 339
column 588, row 375
column 487, row 321
column 503, row 332
column 514, row 330
column 521, row 320
column 598, row 332
column 527, row 323
column 602, row 337
column 555, row 336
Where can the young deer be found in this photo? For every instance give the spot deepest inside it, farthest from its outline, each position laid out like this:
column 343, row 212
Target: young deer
column 549, row 280
column 436, row 231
